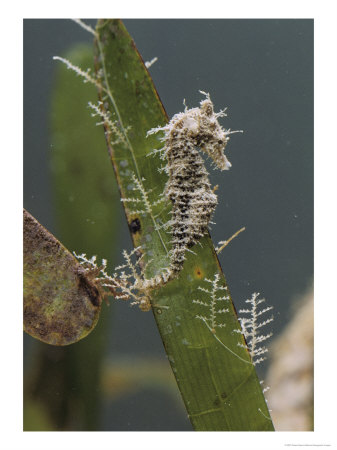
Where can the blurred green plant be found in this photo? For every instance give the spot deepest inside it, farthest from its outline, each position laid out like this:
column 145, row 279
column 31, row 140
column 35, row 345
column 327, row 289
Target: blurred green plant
column 58, row 383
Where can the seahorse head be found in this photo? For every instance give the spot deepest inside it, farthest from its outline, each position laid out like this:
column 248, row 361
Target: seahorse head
column 200, row 127
column 212, row 137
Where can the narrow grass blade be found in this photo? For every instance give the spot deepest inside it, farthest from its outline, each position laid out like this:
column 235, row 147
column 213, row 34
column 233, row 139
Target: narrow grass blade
column 214, row 373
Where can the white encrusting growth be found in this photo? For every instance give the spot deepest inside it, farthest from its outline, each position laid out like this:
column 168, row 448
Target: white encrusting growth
column 112, row 125
column 123, row 284
column 251, row 327
column 85, row 74
column 212, row 309
column 85, row 26
column 218, row 296
column 148, row 64
column 144, row 201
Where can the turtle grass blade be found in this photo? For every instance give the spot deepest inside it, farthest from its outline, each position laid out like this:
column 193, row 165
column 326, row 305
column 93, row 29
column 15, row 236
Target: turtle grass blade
column 61, row 304
column 215, row 375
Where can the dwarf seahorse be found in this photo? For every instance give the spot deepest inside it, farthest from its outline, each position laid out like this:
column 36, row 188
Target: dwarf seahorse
column 188, row 187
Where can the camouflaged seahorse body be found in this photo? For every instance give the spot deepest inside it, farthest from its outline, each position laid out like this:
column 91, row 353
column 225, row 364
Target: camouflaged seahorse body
column 188, row 187
column 193, row 201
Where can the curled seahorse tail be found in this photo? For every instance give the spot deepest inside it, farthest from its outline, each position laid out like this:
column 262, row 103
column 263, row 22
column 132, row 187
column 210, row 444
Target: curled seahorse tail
column 168, row 274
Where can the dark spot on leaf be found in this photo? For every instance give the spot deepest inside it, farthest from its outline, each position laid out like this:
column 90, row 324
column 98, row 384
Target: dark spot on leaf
column 198, row 273
column 135, row 225
column 216, row 402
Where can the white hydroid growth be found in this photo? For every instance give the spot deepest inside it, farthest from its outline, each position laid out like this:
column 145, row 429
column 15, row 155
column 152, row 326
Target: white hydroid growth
column 85, row 74
column 123, row 284
column 251, row 327
column 112, row 125
column 142, row 199
column 85, row 26
column 148, row 64
column 213, row 308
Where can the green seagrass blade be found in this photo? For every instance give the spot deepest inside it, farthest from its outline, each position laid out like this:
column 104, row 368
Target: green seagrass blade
column 215, row 375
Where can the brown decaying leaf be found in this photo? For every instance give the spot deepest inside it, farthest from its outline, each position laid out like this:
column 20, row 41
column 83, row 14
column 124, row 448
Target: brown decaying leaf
column 61, row 302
